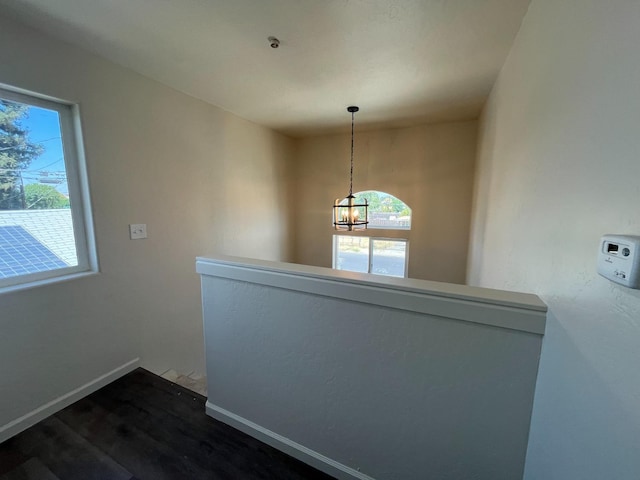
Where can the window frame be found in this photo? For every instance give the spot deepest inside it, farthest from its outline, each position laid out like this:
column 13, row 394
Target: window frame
column 372, row 240
column 77, row 183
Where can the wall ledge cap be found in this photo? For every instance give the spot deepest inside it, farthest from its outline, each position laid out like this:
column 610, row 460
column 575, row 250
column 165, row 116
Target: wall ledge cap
column 513, row 310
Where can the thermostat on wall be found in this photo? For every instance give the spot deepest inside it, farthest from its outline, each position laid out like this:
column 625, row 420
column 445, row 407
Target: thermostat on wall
column 619, row 259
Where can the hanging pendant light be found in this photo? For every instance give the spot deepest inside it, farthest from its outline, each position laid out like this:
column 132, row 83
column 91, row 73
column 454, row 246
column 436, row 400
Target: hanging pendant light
column 347, row 214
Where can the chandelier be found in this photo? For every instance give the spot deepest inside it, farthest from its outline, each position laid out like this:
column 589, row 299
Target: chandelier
column 347, row 214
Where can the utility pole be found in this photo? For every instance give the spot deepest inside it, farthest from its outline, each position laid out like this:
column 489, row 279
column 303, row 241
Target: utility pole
column 24, row 200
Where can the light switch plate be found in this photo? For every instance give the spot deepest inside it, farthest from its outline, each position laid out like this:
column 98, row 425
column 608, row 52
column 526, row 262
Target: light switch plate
column 138, row 231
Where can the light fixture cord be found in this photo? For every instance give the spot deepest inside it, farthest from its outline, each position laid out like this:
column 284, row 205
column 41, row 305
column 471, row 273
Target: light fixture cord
column 351, row 173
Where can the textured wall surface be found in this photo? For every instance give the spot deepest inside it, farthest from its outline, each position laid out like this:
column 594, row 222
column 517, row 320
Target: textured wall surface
column 390, row 392
column 558, row 167
column 429, row 167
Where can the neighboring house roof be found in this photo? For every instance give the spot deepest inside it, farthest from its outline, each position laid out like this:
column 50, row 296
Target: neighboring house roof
column 51, row 228
column 21, row 253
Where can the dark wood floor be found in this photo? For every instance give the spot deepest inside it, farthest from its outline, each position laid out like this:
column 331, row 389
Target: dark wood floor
column 146, row 428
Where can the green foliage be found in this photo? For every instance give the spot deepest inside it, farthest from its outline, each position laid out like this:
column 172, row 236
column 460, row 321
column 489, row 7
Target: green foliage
column 16, row 152
column 382, row 202
column 38, row 196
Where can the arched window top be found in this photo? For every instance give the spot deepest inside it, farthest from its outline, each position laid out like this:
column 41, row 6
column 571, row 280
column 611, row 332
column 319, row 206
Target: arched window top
column 385, row 210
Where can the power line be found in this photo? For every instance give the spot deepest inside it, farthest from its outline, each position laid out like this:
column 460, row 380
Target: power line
column 46, row 166
column 33, row 141
column 58, row 172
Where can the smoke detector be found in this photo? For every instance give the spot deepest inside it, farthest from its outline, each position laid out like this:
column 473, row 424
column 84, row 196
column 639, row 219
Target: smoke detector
column 273, row 42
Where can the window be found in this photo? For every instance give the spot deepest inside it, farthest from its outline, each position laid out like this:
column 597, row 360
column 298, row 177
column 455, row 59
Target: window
column 385, row 210
column 45, row 227
column 382, row 256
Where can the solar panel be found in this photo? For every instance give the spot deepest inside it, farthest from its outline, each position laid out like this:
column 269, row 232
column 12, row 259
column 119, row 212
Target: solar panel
column 21, row 253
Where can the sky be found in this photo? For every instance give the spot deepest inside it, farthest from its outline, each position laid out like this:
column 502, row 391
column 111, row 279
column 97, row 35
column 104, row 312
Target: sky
column 44, row 128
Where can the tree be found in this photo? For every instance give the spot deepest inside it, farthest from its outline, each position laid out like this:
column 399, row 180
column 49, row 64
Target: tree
column 16, row 153
column 38, row 196
column 383, row 202
column 372, row 197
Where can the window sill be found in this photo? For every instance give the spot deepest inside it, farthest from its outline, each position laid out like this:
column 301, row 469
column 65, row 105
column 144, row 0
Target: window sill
column 47, row 281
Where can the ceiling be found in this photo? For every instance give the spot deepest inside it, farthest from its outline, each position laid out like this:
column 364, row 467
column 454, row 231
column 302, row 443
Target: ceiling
column 404, row 62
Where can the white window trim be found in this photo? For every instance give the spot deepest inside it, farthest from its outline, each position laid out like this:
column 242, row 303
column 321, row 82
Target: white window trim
column 78, row 184
column 334, row 259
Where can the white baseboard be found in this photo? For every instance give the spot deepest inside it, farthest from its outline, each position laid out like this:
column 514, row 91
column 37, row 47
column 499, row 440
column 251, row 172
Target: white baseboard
column 19, row 424
column 302, row 453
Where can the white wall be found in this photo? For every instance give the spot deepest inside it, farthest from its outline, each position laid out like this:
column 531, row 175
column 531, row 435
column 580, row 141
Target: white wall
column 558, row 167
column 201, row 179
column 366, row 378
column 429, row 167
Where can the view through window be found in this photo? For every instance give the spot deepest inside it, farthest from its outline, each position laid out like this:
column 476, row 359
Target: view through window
column 385, row 210
column 382, row 256
column 42, row 227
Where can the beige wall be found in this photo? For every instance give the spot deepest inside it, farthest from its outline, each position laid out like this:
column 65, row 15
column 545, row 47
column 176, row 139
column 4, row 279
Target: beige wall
column 202, row 180
column 559, row 167
column 429, row 167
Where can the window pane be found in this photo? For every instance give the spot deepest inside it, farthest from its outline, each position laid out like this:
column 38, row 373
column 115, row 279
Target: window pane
column 351, row 253
column 389, row 257
column 385, row 210
column 36, row 228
